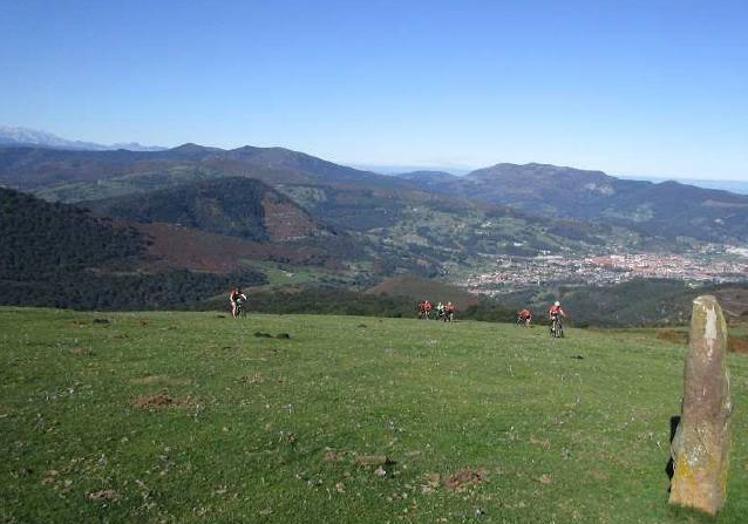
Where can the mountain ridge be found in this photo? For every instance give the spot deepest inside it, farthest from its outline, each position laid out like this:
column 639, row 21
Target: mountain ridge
column 668, row 210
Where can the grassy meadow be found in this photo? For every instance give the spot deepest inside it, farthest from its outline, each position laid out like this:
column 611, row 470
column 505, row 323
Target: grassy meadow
column 190, row 417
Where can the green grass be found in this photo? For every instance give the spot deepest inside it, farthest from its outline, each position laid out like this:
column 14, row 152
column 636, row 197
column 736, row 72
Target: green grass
column 559, row 439
column 284, row 275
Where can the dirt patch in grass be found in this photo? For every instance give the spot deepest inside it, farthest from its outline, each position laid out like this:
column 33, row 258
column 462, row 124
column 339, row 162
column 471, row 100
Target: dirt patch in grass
column 81, row 352
column 161, row 401
column 334, row 456
column 734, row 344
column 672, row 336
column 465, row 479
column 165, row 380
column 737, row 345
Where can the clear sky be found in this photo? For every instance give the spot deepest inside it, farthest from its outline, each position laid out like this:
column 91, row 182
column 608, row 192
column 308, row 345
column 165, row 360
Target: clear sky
column 632, row 87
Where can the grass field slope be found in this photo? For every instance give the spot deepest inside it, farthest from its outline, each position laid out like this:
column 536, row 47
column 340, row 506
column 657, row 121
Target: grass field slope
column 193, row 417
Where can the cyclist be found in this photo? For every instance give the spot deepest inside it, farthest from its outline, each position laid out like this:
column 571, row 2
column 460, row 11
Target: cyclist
column 427, row 307
column 556, row 313
column 440, row 310
column 449, row 312
column 237, row 298
column 524, row 317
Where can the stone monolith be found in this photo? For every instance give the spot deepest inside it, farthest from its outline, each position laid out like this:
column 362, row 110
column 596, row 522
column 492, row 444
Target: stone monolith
column 701, row 446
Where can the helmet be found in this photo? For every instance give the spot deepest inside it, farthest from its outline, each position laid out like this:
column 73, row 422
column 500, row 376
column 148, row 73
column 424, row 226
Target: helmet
column 557, row 303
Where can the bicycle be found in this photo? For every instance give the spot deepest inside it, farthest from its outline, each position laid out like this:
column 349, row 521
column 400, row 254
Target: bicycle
column 240, row 310
column 557, row 327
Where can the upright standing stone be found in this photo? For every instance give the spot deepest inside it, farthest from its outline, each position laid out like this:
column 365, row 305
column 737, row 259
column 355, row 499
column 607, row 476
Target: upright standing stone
column 701, row 445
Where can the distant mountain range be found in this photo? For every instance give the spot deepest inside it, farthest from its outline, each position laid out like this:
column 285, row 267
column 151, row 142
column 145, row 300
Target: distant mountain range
column 201, row 217
column 23, row 136
column 352, row 199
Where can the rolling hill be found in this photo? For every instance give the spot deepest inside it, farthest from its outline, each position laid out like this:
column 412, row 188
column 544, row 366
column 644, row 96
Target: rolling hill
column 37, row 168
column 234, row 206
column 668, row 209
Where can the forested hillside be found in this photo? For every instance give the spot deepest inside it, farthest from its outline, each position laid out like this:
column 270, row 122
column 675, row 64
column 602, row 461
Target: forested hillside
column 59, row 255
column 241, row 207
column 40, row 239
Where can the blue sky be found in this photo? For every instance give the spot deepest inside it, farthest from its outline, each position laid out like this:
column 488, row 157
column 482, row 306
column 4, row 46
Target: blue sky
column 634, row 88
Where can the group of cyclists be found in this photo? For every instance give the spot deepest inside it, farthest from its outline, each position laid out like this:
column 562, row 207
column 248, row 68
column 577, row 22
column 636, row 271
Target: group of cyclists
column 556, row 315
column 445, row 312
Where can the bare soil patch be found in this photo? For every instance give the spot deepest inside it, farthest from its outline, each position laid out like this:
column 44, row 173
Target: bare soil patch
column 334, row 456
column 165, row 380
column 672, row 336
column 161, row 401
column 737, row 345
column 465, row 479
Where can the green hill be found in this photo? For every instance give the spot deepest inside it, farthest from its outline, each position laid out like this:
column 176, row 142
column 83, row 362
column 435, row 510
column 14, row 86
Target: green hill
column 668, row 210
column 234, row 206
column 187, row 417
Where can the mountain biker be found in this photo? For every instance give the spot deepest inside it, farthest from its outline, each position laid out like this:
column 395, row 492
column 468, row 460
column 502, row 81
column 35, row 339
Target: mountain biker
column 236, row 297
column 556, row 313
column 525, row 317
column 449, row 311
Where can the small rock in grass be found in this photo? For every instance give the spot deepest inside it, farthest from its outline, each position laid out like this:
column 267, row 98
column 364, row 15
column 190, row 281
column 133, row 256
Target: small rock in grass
column 373, row 460
column 333, row 456
column 106, row 495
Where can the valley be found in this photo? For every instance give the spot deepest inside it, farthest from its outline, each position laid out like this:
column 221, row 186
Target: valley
column 255, row 216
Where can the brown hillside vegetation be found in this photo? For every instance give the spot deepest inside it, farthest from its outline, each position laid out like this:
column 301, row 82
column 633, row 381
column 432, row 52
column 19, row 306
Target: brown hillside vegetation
column 174, row 246
column 420, row 288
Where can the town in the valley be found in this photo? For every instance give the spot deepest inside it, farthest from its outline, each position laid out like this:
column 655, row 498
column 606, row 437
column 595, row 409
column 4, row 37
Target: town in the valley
column 712, row 263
